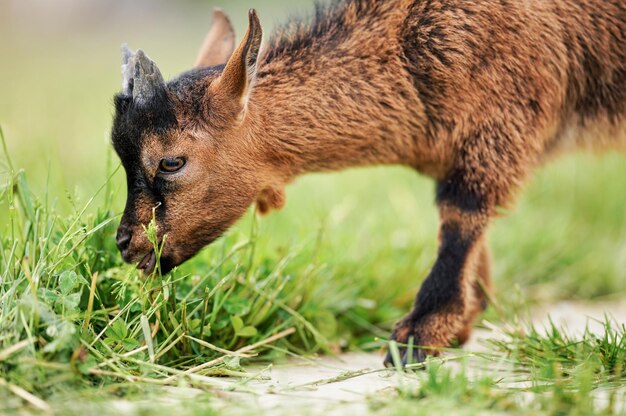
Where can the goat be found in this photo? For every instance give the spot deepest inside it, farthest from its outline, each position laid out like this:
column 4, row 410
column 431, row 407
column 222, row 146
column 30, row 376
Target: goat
column 473, row 93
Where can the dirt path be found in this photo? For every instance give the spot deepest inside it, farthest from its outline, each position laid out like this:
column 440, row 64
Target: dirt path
column 330, row 385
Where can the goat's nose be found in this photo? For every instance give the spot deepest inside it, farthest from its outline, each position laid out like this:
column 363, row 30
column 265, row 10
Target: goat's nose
column 123, row 239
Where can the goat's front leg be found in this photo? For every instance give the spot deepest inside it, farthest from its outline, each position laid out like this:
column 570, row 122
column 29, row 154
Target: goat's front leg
column 446, row 302
column 482, row 289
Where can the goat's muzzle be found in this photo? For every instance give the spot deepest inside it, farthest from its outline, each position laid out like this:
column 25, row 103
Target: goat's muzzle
column 124, row 236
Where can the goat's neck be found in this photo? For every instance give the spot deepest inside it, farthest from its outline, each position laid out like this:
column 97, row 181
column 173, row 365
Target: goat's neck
column 329, row 111
column 327, row 123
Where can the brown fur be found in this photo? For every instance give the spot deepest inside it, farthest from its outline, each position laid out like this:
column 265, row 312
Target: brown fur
column 475, row 94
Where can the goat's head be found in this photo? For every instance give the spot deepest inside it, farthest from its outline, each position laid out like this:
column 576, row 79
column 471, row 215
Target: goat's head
column 187, row 147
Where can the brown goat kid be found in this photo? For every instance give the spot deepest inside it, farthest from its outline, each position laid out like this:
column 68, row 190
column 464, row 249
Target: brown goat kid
column 473, row 93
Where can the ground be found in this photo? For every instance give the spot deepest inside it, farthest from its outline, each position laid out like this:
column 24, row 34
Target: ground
column 356, row 383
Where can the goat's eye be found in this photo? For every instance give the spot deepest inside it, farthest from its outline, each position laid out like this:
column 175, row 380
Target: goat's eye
column 171, row 165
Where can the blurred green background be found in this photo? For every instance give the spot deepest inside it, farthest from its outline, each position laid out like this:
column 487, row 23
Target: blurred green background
column 60, row 68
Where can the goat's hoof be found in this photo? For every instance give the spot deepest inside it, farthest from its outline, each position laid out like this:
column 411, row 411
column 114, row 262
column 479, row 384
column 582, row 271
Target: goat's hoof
column 417, row 356
column 408, row 332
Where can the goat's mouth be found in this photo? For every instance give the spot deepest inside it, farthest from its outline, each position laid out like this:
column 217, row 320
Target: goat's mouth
column 148, row 263
column 171, row 256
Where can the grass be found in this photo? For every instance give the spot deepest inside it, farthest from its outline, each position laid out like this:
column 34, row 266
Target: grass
column 76, row 323
column 67, row 301
column 527, row 372
column 80, row 332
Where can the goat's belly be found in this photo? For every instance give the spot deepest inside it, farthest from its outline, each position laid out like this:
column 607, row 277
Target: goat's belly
column 600, row 134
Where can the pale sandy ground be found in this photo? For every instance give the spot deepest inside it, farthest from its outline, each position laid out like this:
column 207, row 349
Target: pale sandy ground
column 333, row 386
column 299, row 384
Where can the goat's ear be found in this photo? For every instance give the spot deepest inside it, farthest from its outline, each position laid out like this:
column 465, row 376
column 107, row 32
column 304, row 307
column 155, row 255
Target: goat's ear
column 270, row 199
column 240, row 71
column 219, row 43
